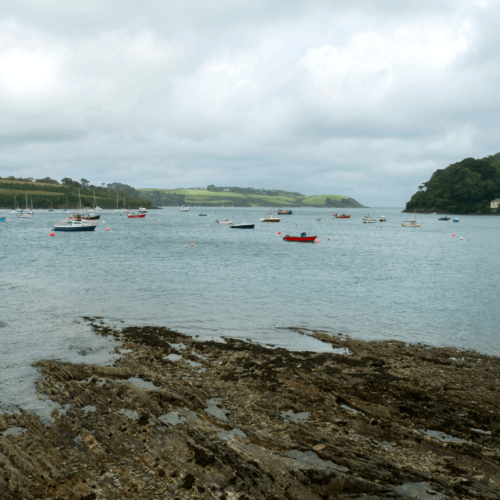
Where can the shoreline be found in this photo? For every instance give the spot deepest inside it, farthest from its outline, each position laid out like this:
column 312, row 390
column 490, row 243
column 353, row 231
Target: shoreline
column 175, row 417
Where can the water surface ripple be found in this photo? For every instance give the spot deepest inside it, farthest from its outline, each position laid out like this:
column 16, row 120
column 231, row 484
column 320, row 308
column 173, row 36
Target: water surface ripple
column 368, row 280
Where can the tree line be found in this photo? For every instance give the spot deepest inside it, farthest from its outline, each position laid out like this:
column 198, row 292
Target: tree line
column 467, row 186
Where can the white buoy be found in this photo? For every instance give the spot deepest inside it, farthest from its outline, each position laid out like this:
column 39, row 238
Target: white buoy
column 103, row 222
column 208, row 225
column 461, row 238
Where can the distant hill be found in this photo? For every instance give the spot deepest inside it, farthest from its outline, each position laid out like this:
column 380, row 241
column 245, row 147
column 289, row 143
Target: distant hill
column 47, row 192
column 244, row 197
column 465, row 187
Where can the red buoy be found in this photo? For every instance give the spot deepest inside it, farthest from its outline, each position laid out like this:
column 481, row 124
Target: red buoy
column 296, row 224
column 279, row 232
column 318, row 241
column 192, row 244
column 107, row 229
column 453, row 234
column 52, row 234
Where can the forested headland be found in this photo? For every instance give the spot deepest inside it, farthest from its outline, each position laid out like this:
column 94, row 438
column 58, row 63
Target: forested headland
column 465, row 187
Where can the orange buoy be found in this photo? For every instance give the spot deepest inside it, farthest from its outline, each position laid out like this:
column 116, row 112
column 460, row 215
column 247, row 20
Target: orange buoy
column 107, row 229
column 192, row 244
column 296, row 224
column 322, row 220
column 327, row 239
column 52, row 234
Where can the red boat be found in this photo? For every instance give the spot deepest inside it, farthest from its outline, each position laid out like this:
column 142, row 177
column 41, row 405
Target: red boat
column 136, row 216
column 342, row 216
column 302, row 238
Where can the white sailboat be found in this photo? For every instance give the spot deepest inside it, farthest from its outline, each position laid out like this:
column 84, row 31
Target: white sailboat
column 411, row 223
column 29, row 213
column 119, row 210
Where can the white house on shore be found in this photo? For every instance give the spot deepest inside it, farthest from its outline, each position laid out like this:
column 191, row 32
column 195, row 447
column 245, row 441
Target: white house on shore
column 495, row 204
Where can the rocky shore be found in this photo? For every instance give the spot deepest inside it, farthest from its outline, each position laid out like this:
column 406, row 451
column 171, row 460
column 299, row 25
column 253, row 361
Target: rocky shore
column 179, row 418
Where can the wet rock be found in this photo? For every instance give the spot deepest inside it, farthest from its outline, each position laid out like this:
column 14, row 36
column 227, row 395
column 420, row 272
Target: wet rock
column 280, row 425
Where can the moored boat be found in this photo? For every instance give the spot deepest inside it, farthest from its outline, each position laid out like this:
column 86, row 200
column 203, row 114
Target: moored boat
column 411, row 223
column 243, row 225
column 303, row 238
column 270, row 217
column 74, row 225
column 136, row 216
column 444, row 218
column 341, row 215
column 382, row 218
column 226, row 222
column 2, row 219
column 143, row 210
column 285, row 211
column 184, row 209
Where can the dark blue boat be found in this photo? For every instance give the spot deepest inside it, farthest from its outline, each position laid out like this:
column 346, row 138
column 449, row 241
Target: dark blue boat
column 74, row 224
column 242, row 226
column 73, row 229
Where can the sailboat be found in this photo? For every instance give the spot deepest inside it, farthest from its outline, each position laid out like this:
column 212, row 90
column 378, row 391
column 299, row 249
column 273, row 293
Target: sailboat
column 411, row 223
column 29, row 213
column 119, row 210
column 16, row 207
column 75, row 223
column 66, row 210
column 51, row 209
column 92, row 213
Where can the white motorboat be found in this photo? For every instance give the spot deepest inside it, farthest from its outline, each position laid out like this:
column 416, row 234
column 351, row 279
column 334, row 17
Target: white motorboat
column 184, row 209
column 143, row 210
column 368, row 220
column 226, row 222
column 270, row 217
column 382, row 218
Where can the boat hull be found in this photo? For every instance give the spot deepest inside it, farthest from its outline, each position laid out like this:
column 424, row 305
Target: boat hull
column 285, row 212
column 75, row 229
column 140, row 216
column 270, row 220
column 300, row 239
column 342, row 216
column 242, row 226
column 2, row 219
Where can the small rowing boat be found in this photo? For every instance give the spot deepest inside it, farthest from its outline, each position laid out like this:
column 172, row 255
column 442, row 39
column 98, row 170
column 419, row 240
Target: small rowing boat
column 136, row 216
column 303, row 238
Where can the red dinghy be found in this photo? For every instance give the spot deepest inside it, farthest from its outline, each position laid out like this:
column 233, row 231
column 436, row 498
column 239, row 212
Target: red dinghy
column 302, row 238
column 136, row 216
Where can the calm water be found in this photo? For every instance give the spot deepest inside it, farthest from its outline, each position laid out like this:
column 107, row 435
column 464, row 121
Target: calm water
column 369, row 281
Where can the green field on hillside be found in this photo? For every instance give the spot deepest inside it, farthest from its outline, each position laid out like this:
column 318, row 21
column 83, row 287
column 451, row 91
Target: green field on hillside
column 56, row 195
column 322, row 199
column 202, row 197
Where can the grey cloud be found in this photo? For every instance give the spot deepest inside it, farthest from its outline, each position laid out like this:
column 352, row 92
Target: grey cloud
column 358, row 98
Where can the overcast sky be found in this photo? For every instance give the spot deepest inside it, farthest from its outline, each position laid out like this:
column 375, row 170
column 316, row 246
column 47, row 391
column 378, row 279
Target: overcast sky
column 362, row 98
